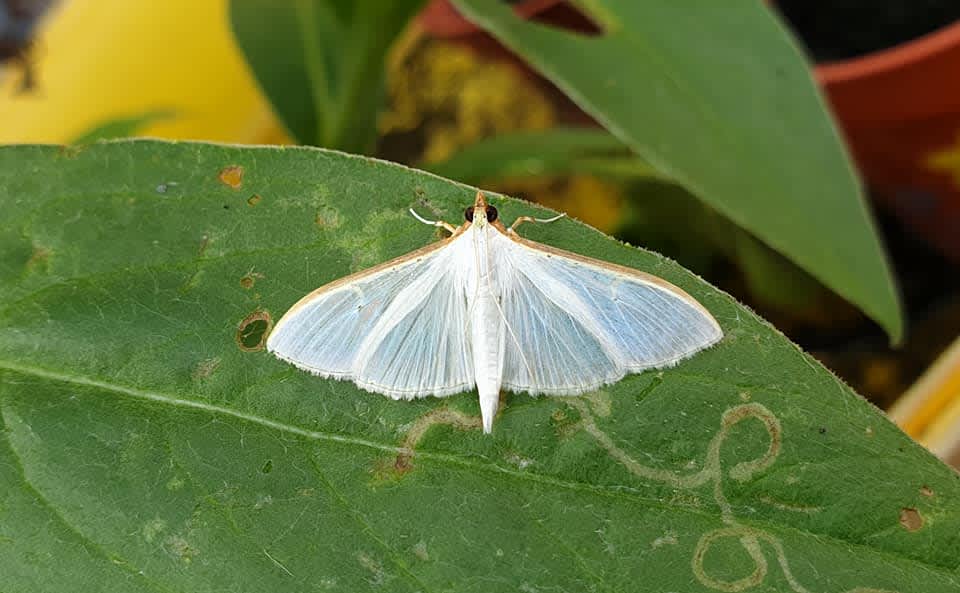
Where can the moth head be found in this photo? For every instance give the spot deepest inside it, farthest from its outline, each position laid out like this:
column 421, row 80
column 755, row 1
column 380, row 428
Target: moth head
column 481, row 213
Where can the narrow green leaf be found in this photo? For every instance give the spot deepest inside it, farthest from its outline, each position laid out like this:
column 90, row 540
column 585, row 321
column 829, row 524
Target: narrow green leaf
column 773, row 280
column 717, row 96
column 146, row 444
column 122, row 127
column 321, row 62
column 557, row 151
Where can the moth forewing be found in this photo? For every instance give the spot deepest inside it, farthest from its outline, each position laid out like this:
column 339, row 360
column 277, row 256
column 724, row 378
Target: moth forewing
column 328, row 332
column 486, row 308
column 576, row 325
column 617, row 269
column 356, row 277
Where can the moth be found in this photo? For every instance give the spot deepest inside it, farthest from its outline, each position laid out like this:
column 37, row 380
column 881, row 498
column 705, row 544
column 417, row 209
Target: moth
column 489, row 309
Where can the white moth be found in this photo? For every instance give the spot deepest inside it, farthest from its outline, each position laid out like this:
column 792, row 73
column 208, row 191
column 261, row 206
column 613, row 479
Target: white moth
column 490, row 309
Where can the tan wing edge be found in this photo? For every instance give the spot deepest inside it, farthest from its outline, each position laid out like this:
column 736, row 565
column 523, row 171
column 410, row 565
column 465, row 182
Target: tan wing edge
column 426, row 249
column 604, row 265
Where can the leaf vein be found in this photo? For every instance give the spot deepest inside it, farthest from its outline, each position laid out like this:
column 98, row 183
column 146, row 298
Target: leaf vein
column 95, row 549
column 622, row 493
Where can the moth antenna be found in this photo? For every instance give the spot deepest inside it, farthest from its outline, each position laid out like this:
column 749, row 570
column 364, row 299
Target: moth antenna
column 438, row 223
column 524, row 219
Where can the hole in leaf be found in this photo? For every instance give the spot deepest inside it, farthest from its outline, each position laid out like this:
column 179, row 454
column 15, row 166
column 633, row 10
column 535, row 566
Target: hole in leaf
column 253, row 331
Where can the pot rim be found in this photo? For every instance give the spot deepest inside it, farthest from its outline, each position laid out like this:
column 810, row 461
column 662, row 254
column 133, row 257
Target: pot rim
column 892, row 58
column 443, row 20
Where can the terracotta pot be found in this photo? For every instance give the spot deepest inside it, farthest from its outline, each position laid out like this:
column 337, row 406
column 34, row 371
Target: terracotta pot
column 442, row 19
column 900, row 111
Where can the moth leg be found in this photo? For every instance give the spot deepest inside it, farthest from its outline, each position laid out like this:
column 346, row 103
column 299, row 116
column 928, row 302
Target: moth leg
column 439, row 223
column 524, row 219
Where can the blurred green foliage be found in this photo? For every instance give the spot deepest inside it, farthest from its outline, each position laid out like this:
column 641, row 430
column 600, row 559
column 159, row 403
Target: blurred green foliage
column 321, row 63
column 717, row 96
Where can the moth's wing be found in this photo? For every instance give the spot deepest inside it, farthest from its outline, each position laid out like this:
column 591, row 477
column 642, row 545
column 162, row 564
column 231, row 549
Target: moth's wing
column 576, row 323
column 397, row 329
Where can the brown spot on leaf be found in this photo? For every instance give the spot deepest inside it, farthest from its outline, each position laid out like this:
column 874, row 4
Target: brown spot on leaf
column 254, row 200
column 390, row 469
column 39, row 257
column 206, row 368
column 231, row 176
column 926, row 491
column 402, row 464
column 249, row 279
column 253, row 331
column 911, row 519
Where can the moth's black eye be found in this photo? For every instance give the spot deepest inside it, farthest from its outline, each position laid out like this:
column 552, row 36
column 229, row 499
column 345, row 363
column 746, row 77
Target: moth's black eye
column 491, row 214
column 468, row 214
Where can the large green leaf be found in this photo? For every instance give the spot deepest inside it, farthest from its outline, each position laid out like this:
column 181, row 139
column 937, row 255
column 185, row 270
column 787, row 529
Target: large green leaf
column 716, row 95
column 122, row 127
column 321, row 62
column 147, row 445
column 557, row 151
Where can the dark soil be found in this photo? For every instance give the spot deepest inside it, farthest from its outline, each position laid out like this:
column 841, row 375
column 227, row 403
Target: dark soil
column 930, row 289
column 843, row 29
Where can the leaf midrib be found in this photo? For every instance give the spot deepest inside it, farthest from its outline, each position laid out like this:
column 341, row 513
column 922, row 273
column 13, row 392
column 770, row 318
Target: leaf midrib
column 619, row 493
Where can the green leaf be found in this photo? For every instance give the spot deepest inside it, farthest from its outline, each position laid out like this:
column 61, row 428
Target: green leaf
column 147, row 444
column 717, row 96
column 557, row 151
column 772, row 279
column 321, row 62
column 122, row 127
